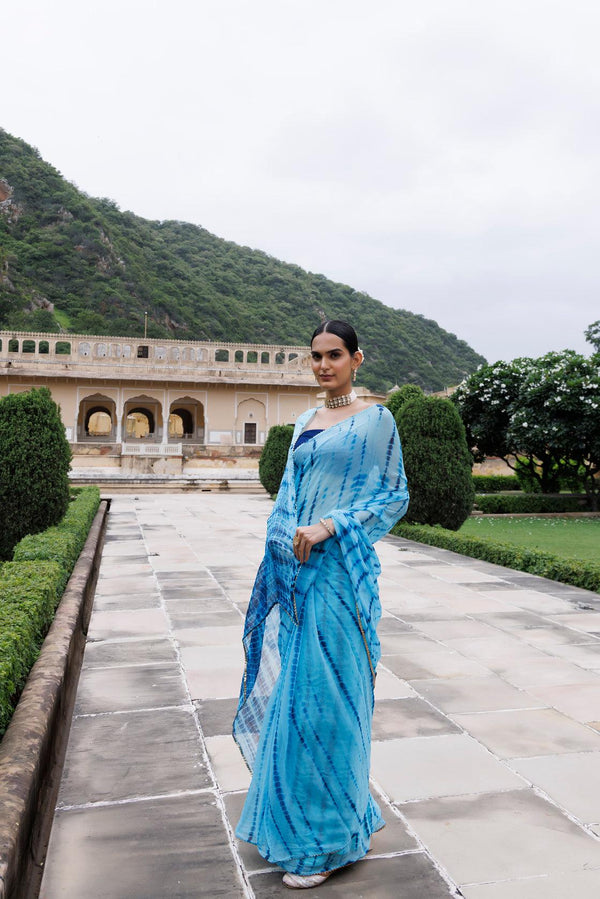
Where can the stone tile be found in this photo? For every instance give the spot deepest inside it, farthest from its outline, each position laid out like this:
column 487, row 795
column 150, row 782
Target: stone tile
column 528, row 732
column 113, row 757
column 251, row 857
column 553, row 635
column 411, row 876
column 572, row 780
column 217, row 636
column 501, row 836
column 129, row 652
column 407, row 644
column 574, row 885
column 169, row 562
column 515, row 620
column 123, row 570
column 472, row 603
column 225, row 617
column 388, row 686
column 448, row 630
column 391, row 625
column 216, row 715
column 127, row 689
column 228, row 765
column 499, row 645
column 458, row 574
column 191, row 591
column 475, row 694
column 393, row 718
column 421, row 767
column 439, row 663
column 119, row 602
column 172, row 847
column 578, row 701
column 534, row 601
column 528, row 672
column 119, row 585
column 588, row 622
column 428, row 612
column 127, row 623
column 586, row 655
column 186, row 613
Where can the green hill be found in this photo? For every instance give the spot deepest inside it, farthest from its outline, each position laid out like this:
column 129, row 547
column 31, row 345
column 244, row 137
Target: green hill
column 72, row 262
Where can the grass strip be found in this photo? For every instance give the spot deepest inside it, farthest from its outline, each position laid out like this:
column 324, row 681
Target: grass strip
column 544, row 564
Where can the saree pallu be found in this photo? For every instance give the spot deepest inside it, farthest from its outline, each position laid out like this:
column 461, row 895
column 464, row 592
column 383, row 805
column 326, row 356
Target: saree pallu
column 303, row 722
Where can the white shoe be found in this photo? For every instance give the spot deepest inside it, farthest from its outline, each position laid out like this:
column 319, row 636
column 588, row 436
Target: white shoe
column 304, row 882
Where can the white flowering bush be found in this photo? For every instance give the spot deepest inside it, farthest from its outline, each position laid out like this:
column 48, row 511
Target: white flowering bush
column 544, row 411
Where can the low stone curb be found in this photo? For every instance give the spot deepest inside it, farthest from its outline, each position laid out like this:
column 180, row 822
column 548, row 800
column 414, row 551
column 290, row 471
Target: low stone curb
column 36, row 736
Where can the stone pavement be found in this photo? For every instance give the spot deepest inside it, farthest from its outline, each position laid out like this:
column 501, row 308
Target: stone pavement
column 486, row 734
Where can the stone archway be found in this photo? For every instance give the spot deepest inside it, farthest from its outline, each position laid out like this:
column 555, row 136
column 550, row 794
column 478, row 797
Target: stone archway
column 97, row 419
column 142, row 419
column 186, row 420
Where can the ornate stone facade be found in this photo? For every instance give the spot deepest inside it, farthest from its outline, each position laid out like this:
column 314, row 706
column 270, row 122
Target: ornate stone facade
column 160, row 399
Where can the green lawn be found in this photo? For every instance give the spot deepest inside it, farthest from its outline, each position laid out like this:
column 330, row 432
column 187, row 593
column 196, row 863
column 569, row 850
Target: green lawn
column 574, row 538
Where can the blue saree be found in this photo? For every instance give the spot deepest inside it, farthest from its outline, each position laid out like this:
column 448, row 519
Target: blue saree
column 303, row 723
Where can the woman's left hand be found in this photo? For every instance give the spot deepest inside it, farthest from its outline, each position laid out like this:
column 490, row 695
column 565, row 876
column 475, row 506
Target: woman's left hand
column 307, row 537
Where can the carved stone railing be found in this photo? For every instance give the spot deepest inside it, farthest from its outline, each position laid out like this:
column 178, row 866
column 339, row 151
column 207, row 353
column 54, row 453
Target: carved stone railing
column 151, row 449
column 150, row 357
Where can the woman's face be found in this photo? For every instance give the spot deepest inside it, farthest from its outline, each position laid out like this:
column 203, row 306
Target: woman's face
column 332, row 363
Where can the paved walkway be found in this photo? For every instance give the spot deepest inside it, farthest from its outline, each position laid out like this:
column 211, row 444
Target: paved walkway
column 486, row 752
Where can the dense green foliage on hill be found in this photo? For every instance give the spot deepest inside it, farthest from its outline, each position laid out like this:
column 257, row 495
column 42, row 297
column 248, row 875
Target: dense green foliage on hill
column 101, row 269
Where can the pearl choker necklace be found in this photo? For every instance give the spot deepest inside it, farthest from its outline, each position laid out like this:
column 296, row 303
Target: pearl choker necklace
column 337, row 401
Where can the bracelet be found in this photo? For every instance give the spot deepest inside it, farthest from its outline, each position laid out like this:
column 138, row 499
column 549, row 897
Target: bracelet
column 327, row 528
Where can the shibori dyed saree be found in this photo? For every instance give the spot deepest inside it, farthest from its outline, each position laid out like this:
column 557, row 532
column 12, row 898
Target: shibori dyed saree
column 303, row 723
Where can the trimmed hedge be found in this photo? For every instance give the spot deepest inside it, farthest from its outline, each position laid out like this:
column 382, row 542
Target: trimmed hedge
column 274, row 455
column 579, row 574
column 34, row 466
column 31, row 587
column 437, row 460
column 495, row 483
column 524, row 503
column 29, row 594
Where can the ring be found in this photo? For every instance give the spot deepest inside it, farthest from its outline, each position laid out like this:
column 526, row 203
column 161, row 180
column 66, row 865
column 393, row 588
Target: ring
column 295, row 541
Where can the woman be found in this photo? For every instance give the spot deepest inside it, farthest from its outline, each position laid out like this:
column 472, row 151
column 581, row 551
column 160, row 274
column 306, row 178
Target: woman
column 304, row 719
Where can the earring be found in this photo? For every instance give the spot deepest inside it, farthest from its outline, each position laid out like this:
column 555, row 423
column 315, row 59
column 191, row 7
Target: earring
column 354, row 374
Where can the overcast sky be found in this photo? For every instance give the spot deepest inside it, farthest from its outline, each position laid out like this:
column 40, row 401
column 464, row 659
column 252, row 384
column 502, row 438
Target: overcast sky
column 441, row 155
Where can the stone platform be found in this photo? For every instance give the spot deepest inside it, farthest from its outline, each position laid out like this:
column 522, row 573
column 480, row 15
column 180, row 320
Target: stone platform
column 486, row 734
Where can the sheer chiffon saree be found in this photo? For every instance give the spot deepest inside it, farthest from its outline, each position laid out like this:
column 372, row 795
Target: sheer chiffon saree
column 303, row 723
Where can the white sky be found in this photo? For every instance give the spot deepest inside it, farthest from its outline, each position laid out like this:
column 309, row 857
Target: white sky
column 441, row 155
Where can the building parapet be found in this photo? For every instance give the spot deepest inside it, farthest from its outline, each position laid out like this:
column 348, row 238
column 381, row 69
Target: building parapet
column 81, row 355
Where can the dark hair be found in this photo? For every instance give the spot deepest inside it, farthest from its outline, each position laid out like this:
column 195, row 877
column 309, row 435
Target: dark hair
column 341, row 329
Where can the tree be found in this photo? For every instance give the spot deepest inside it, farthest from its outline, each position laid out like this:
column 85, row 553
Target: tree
column 558, row 418
column 34, row 464
column 437, row 461
column 539, row 415
column 592, row 335
column 274, row 456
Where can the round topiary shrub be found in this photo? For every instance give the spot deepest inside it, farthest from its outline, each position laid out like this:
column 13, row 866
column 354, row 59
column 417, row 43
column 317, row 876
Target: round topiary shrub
column 34, row 465
column 403, row 395
column 274, row 456
column 437, row 461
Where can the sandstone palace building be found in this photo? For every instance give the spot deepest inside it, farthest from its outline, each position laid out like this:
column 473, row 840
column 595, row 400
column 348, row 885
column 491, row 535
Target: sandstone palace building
column 161, row 406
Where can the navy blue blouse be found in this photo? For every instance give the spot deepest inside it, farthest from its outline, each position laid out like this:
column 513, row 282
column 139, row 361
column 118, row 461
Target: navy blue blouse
column 305, row 436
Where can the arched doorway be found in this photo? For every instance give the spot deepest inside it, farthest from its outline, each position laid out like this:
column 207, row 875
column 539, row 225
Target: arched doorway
column 98, row 422
column 97, row 419
column 186, row 420
column 139, row 424
column 142, row 419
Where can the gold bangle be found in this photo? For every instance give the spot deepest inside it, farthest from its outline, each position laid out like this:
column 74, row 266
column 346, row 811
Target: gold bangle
column 327, row 528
